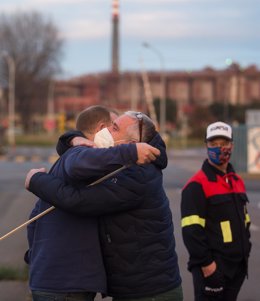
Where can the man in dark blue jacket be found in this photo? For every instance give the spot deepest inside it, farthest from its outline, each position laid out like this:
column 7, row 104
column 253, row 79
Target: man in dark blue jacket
column 136, row 229
column 64, row 250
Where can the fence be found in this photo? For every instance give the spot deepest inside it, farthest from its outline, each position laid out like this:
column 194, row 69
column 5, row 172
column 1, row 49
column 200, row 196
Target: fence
column 246, row 153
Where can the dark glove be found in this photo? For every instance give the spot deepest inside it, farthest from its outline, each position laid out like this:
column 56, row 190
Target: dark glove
column 214, row 284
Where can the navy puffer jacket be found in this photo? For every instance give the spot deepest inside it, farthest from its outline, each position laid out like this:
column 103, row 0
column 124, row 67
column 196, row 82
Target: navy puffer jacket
column 136, row 236
column 64, row 250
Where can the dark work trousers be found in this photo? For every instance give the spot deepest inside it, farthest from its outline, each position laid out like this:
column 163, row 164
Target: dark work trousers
column 231, row 289
column 172, row 295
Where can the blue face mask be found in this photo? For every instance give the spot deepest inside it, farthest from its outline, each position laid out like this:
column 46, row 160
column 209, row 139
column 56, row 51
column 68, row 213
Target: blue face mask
column 219, row 155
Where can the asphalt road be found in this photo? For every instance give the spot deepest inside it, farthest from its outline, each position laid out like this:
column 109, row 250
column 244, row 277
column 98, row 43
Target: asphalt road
column 16, row 204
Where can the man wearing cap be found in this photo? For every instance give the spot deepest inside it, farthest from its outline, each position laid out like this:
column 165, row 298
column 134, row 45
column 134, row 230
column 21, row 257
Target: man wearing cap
column 215, row 221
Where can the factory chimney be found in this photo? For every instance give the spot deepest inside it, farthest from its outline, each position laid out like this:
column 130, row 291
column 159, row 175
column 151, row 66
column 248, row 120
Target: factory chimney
column 115, row 36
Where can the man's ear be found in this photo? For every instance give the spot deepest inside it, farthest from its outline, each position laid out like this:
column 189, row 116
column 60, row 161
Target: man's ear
column 100, row 126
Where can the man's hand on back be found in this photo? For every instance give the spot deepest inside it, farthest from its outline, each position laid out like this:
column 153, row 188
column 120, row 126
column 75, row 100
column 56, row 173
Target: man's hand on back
column 146, row 153
column 76, row 141
column 30, row 174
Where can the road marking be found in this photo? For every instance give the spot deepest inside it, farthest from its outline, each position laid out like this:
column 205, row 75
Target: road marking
column 20, row 159
column 35, row 158
column 32, row 158
column 53, row 158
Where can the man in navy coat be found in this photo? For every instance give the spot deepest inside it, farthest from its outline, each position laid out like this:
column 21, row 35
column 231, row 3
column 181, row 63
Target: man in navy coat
column 136, row 229
column 64, row 253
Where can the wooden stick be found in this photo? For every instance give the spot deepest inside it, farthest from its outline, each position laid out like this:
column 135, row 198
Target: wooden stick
column 28, row 222
column 52, row 207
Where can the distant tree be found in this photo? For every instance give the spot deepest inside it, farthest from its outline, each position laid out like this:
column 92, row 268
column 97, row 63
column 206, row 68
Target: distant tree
column 233, row 112
column 34, row 44
column 198, row 119
column 254, row 105
column 217, row 110
column 171, row 111
column 237, row 113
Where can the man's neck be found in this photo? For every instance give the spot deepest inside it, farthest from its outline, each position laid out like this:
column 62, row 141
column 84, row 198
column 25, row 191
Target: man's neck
column 222, row 167
column 89, row 136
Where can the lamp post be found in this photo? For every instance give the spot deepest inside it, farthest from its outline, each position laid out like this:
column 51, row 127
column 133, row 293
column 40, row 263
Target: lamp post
column 163, row 100
column 228, row 63
column 50, row 122
column 11, row 98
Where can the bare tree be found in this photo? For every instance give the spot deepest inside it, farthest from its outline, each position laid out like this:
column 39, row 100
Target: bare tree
column 34, row 44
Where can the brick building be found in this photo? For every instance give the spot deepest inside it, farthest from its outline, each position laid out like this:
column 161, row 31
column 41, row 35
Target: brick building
column 126, row 90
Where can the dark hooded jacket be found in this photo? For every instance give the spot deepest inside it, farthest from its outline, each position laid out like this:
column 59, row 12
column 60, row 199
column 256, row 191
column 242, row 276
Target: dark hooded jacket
column 64, row 250
column 136, row 236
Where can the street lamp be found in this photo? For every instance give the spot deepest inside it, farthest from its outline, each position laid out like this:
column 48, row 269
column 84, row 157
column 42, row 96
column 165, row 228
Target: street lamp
column 11, row 97
column 163, row 100
column 50, row 122
column 228, row 63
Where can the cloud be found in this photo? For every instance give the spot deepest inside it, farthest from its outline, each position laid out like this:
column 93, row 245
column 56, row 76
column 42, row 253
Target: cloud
column 162, row 2
column 58, row 2
column 86, row 29
column 228, row 23
column 166, row 19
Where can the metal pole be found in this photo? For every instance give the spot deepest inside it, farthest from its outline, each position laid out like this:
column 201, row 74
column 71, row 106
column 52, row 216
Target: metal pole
column 11, row 98
column 148, row 94
column 228, row 87
column 11, row 101
column 50, row 109
column 163, row 94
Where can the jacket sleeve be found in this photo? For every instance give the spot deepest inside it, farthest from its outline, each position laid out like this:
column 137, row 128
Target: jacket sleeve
column 63, row 143
column 30, row 232
column 120, row 193
column 158, row 142
column 193, row 212
column 84, row 161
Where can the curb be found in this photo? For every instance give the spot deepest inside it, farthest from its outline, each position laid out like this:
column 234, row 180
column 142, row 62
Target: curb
column 33, row 158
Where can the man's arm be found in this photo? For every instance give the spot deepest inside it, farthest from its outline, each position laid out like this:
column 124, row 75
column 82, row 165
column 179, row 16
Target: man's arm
column 145, row 152
column 64, row 142
column 193, row 212
column 158, row 143
column 122, row 192
column 83, row 161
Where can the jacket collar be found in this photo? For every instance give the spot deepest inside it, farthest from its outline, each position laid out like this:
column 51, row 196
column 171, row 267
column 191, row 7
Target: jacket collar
column 161, row 161
column 211, row 171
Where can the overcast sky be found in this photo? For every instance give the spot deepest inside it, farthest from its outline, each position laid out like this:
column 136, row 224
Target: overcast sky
column 189, row 34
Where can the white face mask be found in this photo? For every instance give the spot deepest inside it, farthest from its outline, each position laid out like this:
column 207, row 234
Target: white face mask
column 103, row 139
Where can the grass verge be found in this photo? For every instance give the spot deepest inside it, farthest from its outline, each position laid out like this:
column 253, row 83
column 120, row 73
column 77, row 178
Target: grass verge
column 37, row 140
column 12, row 273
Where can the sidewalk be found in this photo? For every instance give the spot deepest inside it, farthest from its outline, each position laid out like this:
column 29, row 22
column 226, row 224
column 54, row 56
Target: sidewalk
column 10, row 290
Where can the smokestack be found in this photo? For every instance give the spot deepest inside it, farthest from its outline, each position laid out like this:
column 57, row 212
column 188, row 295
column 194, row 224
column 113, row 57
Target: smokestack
column 115, row 36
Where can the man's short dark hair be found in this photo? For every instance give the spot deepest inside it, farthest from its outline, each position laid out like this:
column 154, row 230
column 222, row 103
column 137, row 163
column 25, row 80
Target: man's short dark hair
column 88, row 119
